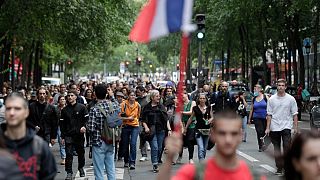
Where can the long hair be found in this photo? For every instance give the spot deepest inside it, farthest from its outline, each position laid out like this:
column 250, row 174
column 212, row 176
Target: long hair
column 295, row 152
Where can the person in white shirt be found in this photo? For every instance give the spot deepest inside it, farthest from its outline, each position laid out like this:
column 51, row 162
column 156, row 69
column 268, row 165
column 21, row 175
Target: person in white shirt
column 282, row 115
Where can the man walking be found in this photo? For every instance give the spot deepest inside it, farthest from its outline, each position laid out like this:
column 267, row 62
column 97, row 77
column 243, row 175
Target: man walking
column 73, row 121
column 44, row 117
column 32, row 154
column 222, row 100
column 282, row 114
column 224, row 164
column 102, row 152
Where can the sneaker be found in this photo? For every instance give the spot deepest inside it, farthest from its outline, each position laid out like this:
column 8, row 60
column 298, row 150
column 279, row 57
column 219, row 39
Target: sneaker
column 75, row 153
column 160, row 162
column 179, row 160
column 278, row 172
column 132, row 167
column 81, row 171
column 69, row 176
column 126, row 165
column 63, row 161
column 148, row 147
column 155, row 168
column 143, row 159
column 260, row 150
column 191, row 161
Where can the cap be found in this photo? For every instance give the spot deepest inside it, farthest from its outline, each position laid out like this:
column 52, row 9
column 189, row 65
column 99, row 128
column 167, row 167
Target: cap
column 119, row 94
column 33, row 93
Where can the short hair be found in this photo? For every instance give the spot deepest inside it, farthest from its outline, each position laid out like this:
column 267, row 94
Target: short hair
column 101, row 91
column 282, row 81
column 61, row 96
column 141, row 88
column 15, row 95
column 42, row 88
column 62, row 85
column 73, row 92
column 227, row 115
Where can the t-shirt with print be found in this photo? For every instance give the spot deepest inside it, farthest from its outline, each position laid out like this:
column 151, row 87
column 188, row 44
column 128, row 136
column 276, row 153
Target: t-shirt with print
column 213, row 171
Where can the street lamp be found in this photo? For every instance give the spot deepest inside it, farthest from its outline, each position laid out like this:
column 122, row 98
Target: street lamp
column 307, row 45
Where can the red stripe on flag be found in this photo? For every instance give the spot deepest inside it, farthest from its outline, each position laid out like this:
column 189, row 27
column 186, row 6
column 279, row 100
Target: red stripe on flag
column 183, row 59
column 142, row 27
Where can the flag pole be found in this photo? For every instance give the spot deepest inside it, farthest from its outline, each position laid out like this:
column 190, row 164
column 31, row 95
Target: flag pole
column 183, row 60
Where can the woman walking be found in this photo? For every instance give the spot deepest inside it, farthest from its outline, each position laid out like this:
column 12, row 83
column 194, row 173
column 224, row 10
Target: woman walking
column 130, row 113
column 258, row 114
column 204, row 116
column 60, row 106
column 241, row 105
column 155, row 122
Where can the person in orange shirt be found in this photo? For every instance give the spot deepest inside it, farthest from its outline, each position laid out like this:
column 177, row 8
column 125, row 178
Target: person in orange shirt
column 130, row 113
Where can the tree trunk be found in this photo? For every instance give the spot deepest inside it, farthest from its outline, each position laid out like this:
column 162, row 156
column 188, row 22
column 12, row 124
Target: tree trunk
column 243, row 53
column 6, row 61
column 228, row 63
column 222, row 64
column 275, row 59
column 2, row 65
column 36, row 69
column 30, row 65
column 263, row 54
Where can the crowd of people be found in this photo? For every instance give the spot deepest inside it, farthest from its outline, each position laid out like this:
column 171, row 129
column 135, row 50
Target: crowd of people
column 77, row 116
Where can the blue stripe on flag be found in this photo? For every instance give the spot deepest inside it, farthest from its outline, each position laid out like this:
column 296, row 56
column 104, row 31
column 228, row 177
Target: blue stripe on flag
column 174, row 14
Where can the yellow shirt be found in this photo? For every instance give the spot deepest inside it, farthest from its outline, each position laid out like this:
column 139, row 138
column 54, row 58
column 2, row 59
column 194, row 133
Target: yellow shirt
column 131, row 111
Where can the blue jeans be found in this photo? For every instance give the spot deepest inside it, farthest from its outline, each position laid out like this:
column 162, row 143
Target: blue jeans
column 202, row 142
column 156, row 146
column 62, row 147
column 103, row 156
column 244, row 128
column 129, row 136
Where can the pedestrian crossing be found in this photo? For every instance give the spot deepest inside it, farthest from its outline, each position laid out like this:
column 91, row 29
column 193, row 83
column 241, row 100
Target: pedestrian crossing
column 90, row 174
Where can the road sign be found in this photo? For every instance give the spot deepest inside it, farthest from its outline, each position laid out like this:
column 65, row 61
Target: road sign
column 307, row 42
column 122, row 67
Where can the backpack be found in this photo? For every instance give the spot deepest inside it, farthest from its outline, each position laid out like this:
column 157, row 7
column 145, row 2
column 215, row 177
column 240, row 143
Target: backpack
column 201, row 166
column 305, row 95
column 111, row 130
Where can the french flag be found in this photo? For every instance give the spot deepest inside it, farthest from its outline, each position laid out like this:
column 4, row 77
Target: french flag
column 161, row 17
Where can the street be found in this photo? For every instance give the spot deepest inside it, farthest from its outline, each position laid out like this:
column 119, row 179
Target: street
column 262, row 162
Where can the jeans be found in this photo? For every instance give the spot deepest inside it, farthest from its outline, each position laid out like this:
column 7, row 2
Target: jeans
column 103, row 156
column 202, row 142
column 156, row 146
column 79, row 147
column 244, row 128
column 62, row 147
column 129, row 136
column 260, row 126
column 276, row 141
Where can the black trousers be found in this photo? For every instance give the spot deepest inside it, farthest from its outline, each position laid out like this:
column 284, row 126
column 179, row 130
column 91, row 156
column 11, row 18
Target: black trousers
column 260, row 126
column 78, row 146
column 276, row 137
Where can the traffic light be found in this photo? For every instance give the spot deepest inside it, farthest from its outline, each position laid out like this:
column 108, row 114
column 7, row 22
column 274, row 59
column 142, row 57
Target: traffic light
column 178, row 67
column 126, row 64
column 138, row 61
column 200, row 21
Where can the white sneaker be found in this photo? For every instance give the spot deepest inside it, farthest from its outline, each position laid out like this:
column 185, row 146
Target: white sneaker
column 144, row 159
column 191, row 161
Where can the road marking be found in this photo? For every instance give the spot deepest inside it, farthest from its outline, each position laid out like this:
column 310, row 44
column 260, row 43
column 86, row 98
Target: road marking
column 269, row 168
column 250, row 158
column 90, row 174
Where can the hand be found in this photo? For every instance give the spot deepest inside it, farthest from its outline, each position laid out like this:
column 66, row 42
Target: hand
column 295, row 131
column 249, row 121
column 52, row 141
column 37, row 128
column 131, row 118
column 267, row 131
column 173, row 145
column 62, row 141
column 147, row 130
column 110, row 92
column 169, row 133
column 83, row 130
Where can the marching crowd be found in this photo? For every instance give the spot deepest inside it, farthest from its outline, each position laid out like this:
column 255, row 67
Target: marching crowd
column 109, row 118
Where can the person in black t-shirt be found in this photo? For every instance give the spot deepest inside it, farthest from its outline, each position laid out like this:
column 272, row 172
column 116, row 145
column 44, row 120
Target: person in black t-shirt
column 241, row 105
column 204, row 117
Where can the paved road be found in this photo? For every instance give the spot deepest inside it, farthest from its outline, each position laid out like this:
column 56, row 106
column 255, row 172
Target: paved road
column 248, row 151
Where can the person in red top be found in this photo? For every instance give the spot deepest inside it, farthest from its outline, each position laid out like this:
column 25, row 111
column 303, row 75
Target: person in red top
column 224, row 164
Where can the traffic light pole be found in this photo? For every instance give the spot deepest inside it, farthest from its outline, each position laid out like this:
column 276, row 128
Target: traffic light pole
column 199, row 63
